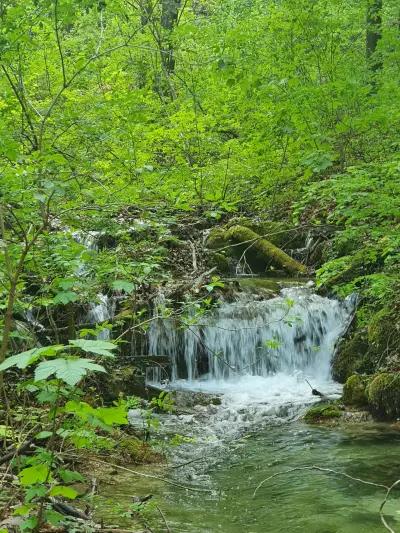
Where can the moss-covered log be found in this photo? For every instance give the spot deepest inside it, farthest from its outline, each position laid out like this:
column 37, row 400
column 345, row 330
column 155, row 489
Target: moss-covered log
column 260, row 253
column 280, row 233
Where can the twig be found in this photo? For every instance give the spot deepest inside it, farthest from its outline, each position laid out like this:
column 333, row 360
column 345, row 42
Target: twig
column 320, row 469
column 180, row 465
column 383, row 520
column 150, row 476
column 331, row 471
column 17, row 451
column 194, row 258
column 164, row 519
column 60, row 50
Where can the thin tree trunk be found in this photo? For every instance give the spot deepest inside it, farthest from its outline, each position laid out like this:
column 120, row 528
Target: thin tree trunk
column 169, row 18
column 374, row 32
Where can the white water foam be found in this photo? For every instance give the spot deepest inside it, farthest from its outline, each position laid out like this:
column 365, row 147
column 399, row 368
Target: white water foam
column 256, row 352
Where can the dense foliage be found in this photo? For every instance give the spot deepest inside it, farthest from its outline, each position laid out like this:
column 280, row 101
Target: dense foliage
column 124, row 123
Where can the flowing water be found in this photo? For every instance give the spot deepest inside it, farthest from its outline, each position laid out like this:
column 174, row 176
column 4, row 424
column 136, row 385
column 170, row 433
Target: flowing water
column 255, row 355
column 262, row 349
column 302, row 501
column 103, row 309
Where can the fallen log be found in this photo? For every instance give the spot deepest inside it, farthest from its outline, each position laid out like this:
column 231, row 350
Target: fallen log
column 261, row 253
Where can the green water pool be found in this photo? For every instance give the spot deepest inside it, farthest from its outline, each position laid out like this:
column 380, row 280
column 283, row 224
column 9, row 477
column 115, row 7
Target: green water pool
column 303, row 501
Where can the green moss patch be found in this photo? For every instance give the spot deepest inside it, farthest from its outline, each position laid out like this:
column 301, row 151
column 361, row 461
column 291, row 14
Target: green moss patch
column 384, row 394
column 260, row 253
column 134, row 450
column 322, row 412
column 350, row 357
column 354, row 390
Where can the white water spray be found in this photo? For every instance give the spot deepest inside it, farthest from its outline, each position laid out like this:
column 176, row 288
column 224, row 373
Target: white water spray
column 104, row 308
column 256, row 350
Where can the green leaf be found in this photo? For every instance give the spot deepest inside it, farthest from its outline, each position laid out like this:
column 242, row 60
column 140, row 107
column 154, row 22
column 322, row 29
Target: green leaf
column 22, row 510
column 29, row 524
column 66, row 492
column 122, row 285
column 34, row 474
column 35, row 492
column 5, row 431
column 69, row 476
column 66, row 284
column 97, row 347
column 112, row 415
column 24, row 359
column 70, row 370
column 43, row 435
column 65, row 297
column 53, row 517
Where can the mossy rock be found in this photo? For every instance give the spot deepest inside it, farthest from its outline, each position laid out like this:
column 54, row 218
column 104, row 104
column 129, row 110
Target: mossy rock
column 384, row 335
column 351, row 357
column 216, row 259
column 384, row 394
column 322, row 412
column 261, row 254
column 354, row 390
column 217, row 239
column 137, row 451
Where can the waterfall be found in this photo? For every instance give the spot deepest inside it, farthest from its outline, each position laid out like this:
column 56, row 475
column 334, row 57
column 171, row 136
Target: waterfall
column 250, row 342
column 100, row 312
column 104, row 308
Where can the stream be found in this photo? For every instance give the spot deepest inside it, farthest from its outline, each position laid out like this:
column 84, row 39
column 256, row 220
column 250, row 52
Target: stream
column 254, row 358
column 302, row 501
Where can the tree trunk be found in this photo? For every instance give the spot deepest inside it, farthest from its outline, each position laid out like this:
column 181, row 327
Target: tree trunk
column 374, row 32
column 169, row 18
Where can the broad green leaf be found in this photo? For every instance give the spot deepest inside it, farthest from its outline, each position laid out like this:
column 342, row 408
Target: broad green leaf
column 53, row 517
column 122, row 285
column 66, row 284
column 97, row 347
column 70, row 370
column 22, row 510
column 29, row 524
column 112, row 415
column 66, row 492
column 65, row 297
column 69, row 476
column 43, row 435
column 24, row 359
column 34, row 474
column 37, row 491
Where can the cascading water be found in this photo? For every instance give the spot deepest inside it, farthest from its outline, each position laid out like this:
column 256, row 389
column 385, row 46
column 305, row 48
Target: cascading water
column 100, row 312
column 261, row 349
column 104, row 308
